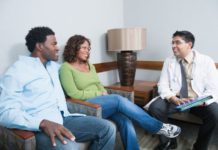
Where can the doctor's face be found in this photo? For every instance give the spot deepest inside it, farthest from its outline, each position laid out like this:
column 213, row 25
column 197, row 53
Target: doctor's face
column 180, row 47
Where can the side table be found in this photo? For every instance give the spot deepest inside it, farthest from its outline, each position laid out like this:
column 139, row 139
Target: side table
column 143, row 90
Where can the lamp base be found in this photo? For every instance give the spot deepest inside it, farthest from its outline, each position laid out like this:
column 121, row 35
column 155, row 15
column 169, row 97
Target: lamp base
column 126, row 62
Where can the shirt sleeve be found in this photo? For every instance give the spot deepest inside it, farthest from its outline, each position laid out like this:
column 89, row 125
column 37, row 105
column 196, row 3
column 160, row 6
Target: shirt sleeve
column 164, row 82
column 211, row 83
column 12, row 111
column 70, row 88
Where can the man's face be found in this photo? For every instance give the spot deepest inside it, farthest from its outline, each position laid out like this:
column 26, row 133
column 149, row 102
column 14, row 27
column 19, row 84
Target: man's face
column 49, row 49
column 180, row 47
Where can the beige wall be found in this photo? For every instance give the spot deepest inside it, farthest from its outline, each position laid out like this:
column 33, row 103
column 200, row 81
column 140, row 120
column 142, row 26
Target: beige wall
column 163, row 17
column 94, row 17
column 91, row 18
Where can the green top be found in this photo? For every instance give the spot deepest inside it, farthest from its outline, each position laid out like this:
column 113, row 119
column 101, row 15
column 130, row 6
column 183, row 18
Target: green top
column 80, row 85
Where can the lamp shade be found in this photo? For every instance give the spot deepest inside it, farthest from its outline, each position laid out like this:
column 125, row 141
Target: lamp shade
column 126, row 39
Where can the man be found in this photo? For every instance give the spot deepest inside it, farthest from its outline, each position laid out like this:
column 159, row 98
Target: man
column 32, row 99
column 187, row 75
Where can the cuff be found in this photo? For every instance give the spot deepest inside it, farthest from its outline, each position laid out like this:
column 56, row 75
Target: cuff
column 35, row 125
column 168, row 98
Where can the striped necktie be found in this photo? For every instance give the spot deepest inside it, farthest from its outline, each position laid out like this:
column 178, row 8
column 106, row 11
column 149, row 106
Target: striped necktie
column 184, row 88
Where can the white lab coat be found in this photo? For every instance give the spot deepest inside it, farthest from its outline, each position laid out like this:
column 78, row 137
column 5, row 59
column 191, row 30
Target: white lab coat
column 204, row 78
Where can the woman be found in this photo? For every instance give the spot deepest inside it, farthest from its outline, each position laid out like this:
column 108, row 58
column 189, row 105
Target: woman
column 80, row 81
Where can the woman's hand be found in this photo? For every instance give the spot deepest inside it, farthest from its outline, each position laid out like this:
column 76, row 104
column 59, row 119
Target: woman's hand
column 53, row 129
column 104, row 93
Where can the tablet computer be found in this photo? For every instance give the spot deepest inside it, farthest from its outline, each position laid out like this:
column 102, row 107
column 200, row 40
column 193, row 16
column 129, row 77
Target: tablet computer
column 196, row 102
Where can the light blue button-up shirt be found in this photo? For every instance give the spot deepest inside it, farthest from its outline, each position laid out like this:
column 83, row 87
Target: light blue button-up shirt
column 30, row 93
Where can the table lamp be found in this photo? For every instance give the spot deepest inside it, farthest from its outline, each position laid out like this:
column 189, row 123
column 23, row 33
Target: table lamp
column 126, row 41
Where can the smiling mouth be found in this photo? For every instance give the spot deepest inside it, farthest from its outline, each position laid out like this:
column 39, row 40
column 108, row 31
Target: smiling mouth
column 175, row 50
column 86, row 55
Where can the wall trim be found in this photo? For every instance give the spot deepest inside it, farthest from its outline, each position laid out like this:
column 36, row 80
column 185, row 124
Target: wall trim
column 141, row 64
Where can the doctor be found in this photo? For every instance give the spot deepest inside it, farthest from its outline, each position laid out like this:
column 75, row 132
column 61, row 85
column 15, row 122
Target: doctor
column 187, row 75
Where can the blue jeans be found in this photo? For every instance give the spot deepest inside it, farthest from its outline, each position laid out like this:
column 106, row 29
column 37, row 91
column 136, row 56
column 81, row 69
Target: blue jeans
column 122, row 111
column 101, row 133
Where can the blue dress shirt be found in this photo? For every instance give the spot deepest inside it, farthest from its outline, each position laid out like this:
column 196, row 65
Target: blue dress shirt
column 30, row 93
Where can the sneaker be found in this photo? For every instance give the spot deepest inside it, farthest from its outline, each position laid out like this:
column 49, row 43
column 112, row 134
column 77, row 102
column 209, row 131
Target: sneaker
column 169, row 130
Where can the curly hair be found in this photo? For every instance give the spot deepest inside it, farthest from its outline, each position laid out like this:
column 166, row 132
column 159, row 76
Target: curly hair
column 37, row 35
column 73, row 46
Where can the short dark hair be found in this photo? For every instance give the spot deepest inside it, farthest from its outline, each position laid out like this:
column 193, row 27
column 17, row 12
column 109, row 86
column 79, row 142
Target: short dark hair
column 186, row 36
column 37, row 35
column 73, row 46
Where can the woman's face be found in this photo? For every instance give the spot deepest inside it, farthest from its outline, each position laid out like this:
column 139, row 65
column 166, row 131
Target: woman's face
column 84, row 51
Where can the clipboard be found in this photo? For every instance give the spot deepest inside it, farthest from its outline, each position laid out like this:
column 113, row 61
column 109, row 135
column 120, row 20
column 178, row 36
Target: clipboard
column 196, row 102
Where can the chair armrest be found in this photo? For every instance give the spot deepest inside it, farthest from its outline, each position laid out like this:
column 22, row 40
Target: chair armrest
column 79, row 106
column 123, row 92
column 18, row 139
column 23, row 133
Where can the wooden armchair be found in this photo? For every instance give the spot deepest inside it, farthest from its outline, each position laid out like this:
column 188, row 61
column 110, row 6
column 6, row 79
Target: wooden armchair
column 16, row 139
column 25, row 140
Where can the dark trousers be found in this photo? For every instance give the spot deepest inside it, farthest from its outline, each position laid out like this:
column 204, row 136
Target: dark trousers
column 209, row 114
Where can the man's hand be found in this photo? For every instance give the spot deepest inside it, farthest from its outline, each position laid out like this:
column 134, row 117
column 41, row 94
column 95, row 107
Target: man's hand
column 179, row 101
column 53, row 129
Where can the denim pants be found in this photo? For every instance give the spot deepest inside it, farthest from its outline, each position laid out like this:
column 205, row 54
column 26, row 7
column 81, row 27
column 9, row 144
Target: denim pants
column 122, row 111
column 101, row 133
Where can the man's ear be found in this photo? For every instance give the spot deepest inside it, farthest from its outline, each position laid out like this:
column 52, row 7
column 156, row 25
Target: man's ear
column 190, row 44
column 39, row 46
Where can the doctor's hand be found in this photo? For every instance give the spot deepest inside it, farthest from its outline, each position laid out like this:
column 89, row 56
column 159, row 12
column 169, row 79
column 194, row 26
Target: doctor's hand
column 53, row 130
column 179, row 101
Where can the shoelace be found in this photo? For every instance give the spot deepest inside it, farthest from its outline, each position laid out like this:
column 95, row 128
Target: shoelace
column 170, row 131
